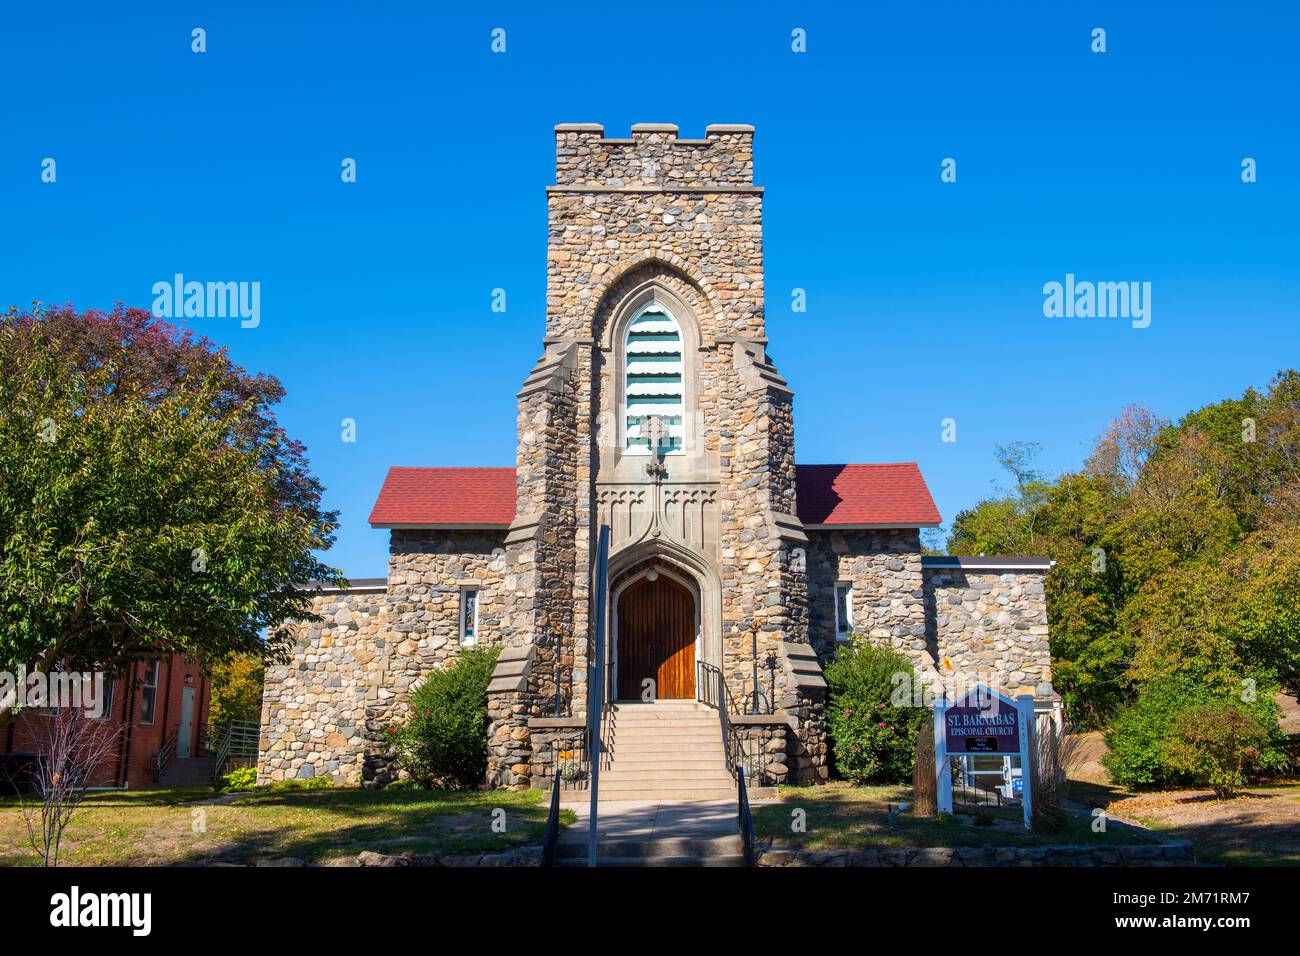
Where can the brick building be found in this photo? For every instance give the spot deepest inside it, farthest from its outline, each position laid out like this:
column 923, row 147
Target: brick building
column 656, row 409
column 158, row 703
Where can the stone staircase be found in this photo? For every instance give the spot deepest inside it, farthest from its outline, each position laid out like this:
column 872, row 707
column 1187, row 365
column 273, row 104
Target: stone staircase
column 668, row 750
column 681, row 833
column 666, row 797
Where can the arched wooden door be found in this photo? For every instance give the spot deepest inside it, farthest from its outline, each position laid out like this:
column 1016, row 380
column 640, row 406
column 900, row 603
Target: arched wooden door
column 656, row 639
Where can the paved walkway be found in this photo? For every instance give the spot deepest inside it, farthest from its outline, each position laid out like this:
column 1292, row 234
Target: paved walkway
column 654, row 820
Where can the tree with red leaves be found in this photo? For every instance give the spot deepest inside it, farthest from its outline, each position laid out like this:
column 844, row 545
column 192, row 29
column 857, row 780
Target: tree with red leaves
column 149, row 501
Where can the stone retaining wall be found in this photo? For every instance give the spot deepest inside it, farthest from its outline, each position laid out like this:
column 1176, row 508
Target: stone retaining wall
column 1170, row 854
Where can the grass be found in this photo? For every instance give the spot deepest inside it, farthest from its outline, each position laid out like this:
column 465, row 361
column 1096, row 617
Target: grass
column 840, row 816
column 166, row 827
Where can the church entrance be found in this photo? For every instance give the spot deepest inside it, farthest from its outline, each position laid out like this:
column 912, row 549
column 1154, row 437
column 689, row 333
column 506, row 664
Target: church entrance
column 656, row 639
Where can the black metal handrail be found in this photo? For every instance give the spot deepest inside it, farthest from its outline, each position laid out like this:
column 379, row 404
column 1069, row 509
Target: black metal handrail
column 714, row 693
column 597, row 704
column 745, row 818
column 553, row 818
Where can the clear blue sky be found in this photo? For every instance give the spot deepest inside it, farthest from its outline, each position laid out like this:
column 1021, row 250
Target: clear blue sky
column 924, row 299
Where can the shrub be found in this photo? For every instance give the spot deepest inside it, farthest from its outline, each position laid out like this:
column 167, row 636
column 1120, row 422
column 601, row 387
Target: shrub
column 1139, row 736
column 443, row 741
column 872, row 741
column 239, row 781
column 1216, row 745
column 311, row 783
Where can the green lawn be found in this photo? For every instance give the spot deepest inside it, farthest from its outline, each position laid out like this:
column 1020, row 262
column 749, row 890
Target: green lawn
column 843, row 817
column 164, row 827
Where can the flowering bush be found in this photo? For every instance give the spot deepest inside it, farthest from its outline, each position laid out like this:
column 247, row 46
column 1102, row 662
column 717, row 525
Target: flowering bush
column 443, row 740
column 874, row 744
column 872, row 741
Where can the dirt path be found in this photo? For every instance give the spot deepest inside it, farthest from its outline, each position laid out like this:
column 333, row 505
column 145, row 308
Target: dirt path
column 1260, row 826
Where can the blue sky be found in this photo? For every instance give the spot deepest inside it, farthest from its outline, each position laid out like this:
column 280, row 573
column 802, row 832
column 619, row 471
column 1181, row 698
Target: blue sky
column 924, row 298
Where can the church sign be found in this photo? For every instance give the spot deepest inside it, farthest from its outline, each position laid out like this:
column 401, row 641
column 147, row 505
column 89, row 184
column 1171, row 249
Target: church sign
column 984, row 722
column 991, row 727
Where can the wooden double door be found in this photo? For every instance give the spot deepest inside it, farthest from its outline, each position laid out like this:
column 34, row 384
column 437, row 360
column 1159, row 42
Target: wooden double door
column 656, row 639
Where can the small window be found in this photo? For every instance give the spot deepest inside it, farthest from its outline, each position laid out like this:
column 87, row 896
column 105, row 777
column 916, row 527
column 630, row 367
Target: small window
column 468, row 617
column 843, row 611
column 149, row 692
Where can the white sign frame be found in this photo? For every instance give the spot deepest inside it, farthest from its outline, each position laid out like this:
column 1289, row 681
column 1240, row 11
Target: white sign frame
column 1024, row 705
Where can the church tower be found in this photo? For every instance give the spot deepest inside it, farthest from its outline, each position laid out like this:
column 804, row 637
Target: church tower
column 656, row 411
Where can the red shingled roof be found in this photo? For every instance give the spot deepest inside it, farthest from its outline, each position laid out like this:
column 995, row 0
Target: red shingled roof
column 889, row 496
column 446, row 496
column 892, row 495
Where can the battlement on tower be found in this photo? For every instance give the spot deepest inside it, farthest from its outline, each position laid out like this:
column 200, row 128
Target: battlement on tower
column 654, row 158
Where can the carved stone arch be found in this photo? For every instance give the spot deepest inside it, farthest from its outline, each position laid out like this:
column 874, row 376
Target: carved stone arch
column 675, row 279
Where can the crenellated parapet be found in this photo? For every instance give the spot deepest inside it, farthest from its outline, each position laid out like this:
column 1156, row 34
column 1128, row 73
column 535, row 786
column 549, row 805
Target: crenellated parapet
column 653, row 158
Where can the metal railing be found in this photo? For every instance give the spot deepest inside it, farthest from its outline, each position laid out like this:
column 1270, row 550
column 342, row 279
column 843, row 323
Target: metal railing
column 235, row 740
column 744, row 818
column 553, row 818
column 165, row 754
column 713, row 692
column 597, row 704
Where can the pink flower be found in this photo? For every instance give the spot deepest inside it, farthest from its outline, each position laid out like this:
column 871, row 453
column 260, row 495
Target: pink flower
column 881, row 724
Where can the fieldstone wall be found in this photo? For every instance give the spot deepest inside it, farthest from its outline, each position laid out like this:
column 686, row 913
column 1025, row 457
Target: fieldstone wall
column 959, row 626
column 317, row 709
column 989, row 627
column 766, row 742
column 884, row 569
column 654, row 156
column 327, row 710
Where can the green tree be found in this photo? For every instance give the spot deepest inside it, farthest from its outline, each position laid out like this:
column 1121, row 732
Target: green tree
column 149, row 501
column 236, row 689
column 1176, row 549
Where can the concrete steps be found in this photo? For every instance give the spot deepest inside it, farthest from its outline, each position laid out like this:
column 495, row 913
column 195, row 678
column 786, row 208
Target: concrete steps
column 652, row 851
column 188, row 772
column 668, row 750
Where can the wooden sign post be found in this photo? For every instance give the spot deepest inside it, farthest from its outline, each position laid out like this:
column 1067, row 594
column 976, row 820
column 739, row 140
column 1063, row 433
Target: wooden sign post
column 984, row 722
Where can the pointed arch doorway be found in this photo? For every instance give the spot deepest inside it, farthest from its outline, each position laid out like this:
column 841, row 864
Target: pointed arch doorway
column 656, row 626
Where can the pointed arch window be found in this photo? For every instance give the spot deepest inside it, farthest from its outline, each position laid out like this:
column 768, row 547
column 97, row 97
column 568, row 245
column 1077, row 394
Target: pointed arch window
column 654, row 380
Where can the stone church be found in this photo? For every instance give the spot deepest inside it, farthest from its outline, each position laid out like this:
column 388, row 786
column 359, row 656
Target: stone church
column 657, row 409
